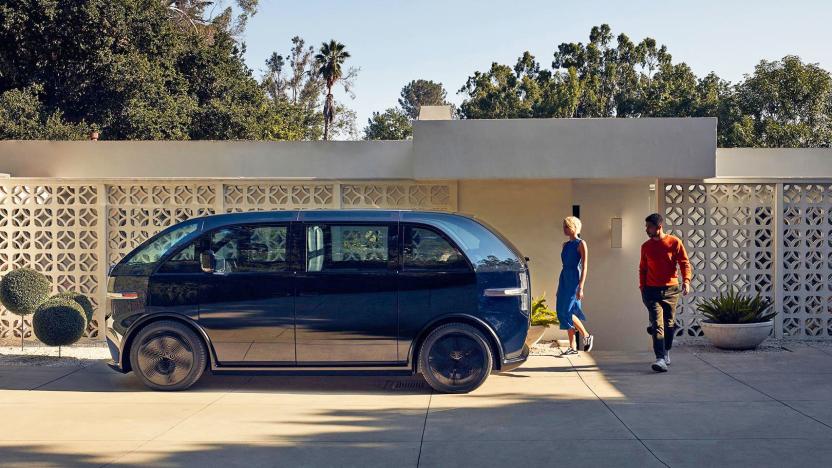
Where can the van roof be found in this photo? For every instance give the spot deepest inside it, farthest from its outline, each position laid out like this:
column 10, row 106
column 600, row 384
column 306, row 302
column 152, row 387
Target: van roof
column 318, row 215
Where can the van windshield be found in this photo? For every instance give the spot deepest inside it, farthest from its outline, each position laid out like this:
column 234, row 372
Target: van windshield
column 484, row 248
column 145, row 257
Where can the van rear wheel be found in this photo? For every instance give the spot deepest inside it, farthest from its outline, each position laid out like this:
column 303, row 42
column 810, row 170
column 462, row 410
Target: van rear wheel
column 455, row 358
column 168, row 356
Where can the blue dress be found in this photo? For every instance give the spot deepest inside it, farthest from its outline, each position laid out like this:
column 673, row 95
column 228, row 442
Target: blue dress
column 567, row 302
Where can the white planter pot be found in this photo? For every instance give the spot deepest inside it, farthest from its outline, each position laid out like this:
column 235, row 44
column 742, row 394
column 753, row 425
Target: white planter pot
column 736, row 335
column 535, row 334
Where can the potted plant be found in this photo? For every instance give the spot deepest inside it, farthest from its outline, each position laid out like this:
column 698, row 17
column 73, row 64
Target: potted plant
column 542, row 317
column 736, row 321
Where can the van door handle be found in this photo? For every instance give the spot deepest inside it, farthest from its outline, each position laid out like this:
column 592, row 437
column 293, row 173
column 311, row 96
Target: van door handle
column 504, row 292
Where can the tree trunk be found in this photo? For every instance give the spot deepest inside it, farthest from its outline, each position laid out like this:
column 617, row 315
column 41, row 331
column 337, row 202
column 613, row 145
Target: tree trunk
column 328, row 112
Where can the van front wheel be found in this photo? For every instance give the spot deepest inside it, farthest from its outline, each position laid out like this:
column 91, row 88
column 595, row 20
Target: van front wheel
column 455, row 358
column 168, row 355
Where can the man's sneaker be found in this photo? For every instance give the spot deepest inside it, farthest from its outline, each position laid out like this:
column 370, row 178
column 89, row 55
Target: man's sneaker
column 667, row 357
column 569, row 352
column 588, row 342
column 660, row 365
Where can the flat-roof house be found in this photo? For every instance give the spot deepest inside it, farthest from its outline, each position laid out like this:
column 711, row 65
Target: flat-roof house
column 759, row 219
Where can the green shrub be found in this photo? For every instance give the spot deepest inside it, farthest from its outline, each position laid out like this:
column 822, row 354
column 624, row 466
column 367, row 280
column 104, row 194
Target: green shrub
column 81, row 299
column 542, row 314
column 23, row 290
column 733, row 307
column 59, row 322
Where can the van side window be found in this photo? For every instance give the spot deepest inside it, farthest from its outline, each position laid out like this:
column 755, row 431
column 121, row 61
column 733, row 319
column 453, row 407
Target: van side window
column 346, row 246
column 427, row 249
column 185, row 261
column 250, row 248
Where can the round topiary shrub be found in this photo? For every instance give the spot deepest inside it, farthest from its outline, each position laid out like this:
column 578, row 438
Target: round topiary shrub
column 59, row 322
column 81, row 299
column 23, row 290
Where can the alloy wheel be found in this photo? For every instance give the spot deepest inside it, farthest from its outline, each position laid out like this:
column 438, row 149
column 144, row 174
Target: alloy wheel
column 456, row 360
column 165, row 358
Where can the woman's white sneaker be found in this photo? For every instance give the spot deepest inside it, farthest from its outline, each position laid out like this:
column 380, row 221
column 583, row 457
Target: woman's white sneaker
column 588, row 343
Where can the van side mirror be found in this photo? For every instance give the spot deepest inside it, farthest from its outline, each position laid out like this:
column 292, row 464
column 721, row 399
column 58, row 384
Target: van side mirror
column 207, row 262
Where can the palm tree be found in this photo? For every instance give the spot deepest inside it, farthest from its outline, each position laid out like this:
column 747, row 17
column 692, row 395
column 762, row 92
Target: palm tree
column 329, row 60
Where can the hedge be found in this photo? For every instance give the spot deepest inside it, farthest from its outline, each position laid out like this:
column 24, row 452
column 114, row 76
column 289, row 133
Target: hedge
column 59, row 322
column 81, row 299
column 23, row 290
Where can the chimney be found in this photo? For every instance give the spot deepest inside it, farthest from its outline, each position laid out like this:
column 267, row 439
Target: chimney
column 435, row 113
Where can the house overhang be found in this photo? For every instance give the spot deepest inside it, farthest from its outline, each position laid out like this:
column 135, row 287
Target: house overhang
column 565, row 148
column 444, row 149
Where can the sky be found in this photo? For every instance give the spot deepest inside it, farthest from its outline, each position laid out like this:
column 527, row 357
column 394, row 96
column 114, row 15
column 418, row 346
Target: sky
column 395, row 41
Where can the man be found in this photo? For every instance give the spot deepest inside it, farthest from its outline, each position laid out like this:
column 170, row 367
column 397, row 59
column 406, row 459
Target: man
column 659, row 283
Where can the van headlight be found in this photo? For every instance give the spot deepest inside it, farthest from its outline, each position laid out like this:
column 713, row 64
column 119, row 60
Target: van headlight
column 525, row 296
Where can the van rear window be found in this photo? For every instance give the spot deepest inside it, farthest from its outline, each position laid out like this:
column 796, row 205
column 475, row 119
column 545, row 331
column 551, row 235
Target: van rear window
column 484, row 248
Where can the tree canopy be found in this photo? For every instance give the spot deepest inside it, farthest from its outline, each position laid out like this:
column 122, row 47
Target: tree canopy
column 782, row 103
column 392, row 124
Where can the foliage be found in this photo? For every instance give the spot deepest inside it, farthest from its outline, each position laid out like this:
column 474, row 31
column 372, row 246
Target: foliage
column 126, row 67
column 59, row 322
column 393, row 124
column 295, row 90
column 733, row 307
column 420, row 93
column 23, row 117
column 784, row 103
column 329, row 61
column 195, row 15
column 23, row 290
column 79, row 298
column 542, row 314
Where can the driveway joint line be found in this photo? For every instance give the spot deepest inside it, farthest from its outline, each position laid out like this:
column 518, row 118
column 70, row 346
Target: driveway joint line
column 766, row 394
column 424, row 426
column 819, row 348
column 57, row 378
column 616, row 415
column 157, row 436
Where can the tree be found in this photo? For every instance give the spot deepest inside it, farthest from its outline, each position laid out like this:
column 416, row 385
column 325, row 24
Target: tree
column 330, row 60
column 784, row 103
column 22, row 117
column 296, row 91
column 127, row 68
column 420, row 93
column 196, row 15
column 392, row 124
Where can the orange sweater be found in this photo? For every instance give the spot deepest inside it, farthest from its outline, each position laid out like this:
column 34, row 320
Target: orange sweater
column 659, row 258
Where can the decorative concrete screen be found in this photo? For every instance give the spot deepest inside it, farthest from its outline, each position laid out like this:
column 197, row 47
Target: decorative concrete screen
column 73, row 230
column 807, row 260
column 769, row 238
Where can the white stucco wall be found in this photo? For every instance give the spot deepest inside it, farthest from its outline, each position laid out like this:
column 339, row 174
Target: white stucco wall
column 116, row 159
column 456, row 149
column 615, row 313
column 565, row 148
column 527, row 212
column 808, row 163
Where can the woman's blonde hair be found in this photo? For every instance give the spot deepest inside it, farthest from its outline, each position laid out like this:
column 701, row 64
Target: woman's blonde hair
column 573, row 223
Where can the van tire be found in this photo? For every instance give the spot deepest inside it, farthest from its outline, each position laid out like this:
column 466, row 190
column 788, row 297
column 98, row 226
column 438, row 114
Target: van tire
column 455, row 358
column 168, row 356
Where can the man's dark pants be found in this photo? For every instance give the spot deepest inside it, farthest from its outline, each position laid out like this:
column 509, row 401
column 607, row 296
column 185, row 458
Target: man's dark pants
column 661, row 306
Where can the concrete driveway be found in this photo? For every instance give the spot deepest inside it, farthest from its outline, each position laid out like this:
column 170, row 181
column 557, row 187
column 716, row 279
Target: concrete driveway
column 607, row 409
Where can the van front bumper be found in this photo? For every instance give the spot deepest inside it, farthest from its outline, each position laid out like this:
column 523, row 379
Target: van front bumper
column 514, row 363
column 114, row 345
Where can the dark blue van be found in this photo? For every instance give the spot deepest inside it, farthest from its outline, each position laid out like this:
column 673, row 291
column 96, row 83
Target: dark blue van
column 372, row 291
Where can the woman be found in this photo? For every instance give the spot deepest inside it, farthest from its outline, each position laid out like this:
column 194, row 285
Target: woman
column 571, row 285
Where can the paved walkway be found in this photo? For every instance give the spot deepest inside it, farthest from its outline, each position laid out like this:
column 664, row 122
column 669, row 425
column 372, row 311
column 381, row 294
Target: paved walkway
column 607, row 409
